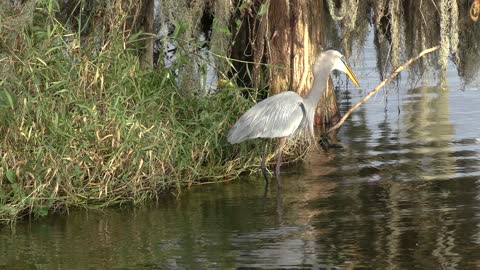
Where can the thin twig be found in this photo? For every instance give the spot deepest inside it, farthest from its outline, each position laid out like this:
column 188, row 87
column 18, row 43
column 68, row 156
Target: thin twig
column 370, row 94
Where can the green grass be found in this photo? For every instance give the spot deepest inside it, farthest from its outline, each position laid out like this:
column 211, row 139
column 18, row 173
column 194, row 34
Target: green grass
column 83, row 126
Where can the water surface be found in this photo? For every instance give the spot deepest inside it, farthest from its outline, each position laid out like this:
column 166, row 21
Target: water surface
column 402, row 192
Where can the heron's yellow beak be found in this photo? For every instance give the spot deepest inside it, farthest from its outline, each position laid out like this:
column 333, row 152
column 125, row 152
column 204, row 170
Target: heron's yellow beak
column 351, row 75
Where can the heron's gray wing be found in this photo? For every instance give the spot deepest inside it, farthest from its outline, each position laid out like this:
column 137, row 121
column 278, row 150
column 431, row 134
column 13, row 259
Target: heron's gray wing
column 277, row 116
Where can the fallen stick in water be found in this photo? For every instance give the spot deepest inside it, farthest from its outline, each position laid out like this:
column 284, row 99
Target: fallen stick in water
column 379, row 86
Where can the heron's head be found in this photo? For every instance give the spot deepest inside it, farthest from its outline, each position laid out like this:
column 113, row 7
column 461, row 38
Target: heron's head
column 335, row 60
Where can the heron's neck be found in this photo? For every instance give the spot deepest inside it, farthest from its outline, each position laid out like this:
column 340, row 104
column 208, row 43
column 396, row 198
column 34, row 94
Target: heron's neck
column 318, row 86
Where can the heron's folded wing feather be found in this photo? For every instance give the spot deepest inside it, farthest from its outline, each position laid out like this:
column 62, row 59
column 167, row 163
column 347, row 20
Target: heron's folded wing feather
column 277, row 116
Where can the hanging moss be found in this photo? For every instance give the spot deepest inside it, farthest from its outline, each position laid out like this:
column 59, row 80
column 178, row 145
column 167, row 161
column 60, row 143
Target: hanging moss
column 188, row 34
column 448, row 30
column 337, row 13
column 422, row 23
column 395, row 9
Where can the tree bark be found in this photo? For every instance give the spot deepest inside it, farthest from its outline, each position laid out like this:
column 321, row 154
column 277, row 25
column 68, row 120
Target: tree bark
column 295, row 38
column 146, row 59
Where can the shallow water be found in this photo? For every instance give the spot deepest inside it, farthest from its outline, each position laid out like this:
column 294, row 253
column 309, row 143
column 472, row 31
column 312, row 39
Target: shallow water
column 402, row 192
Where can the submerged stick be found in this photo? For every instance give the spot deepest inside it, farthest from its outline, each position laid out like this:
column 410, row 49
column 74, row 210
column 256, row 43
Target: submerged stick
column 379, row 86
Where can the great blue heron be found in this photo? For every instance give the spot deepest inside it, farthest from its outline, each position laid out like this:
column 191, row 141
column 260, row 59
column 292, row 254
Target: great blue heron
column 279, row 116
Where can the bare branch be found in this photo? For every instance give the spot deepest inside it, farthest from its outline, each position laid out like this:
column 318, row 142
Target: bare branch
column 371, row 93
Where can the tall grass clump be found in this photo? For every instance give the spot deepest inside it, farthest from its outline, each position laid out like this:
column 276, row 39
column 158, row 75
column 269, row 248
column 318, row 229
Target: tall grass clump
column 81, row 124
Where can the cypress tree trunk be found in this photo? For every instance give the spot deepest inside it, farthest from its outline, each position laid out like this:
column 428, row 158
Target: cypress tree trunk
column 148, row 9
column 287, row 38
column 295, row 39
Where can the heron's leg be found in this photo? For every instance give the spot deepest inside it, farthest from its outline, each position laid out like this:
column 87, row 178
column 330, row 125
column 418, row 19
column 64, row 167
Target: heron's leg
column 264, row 165
column 279, row 161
